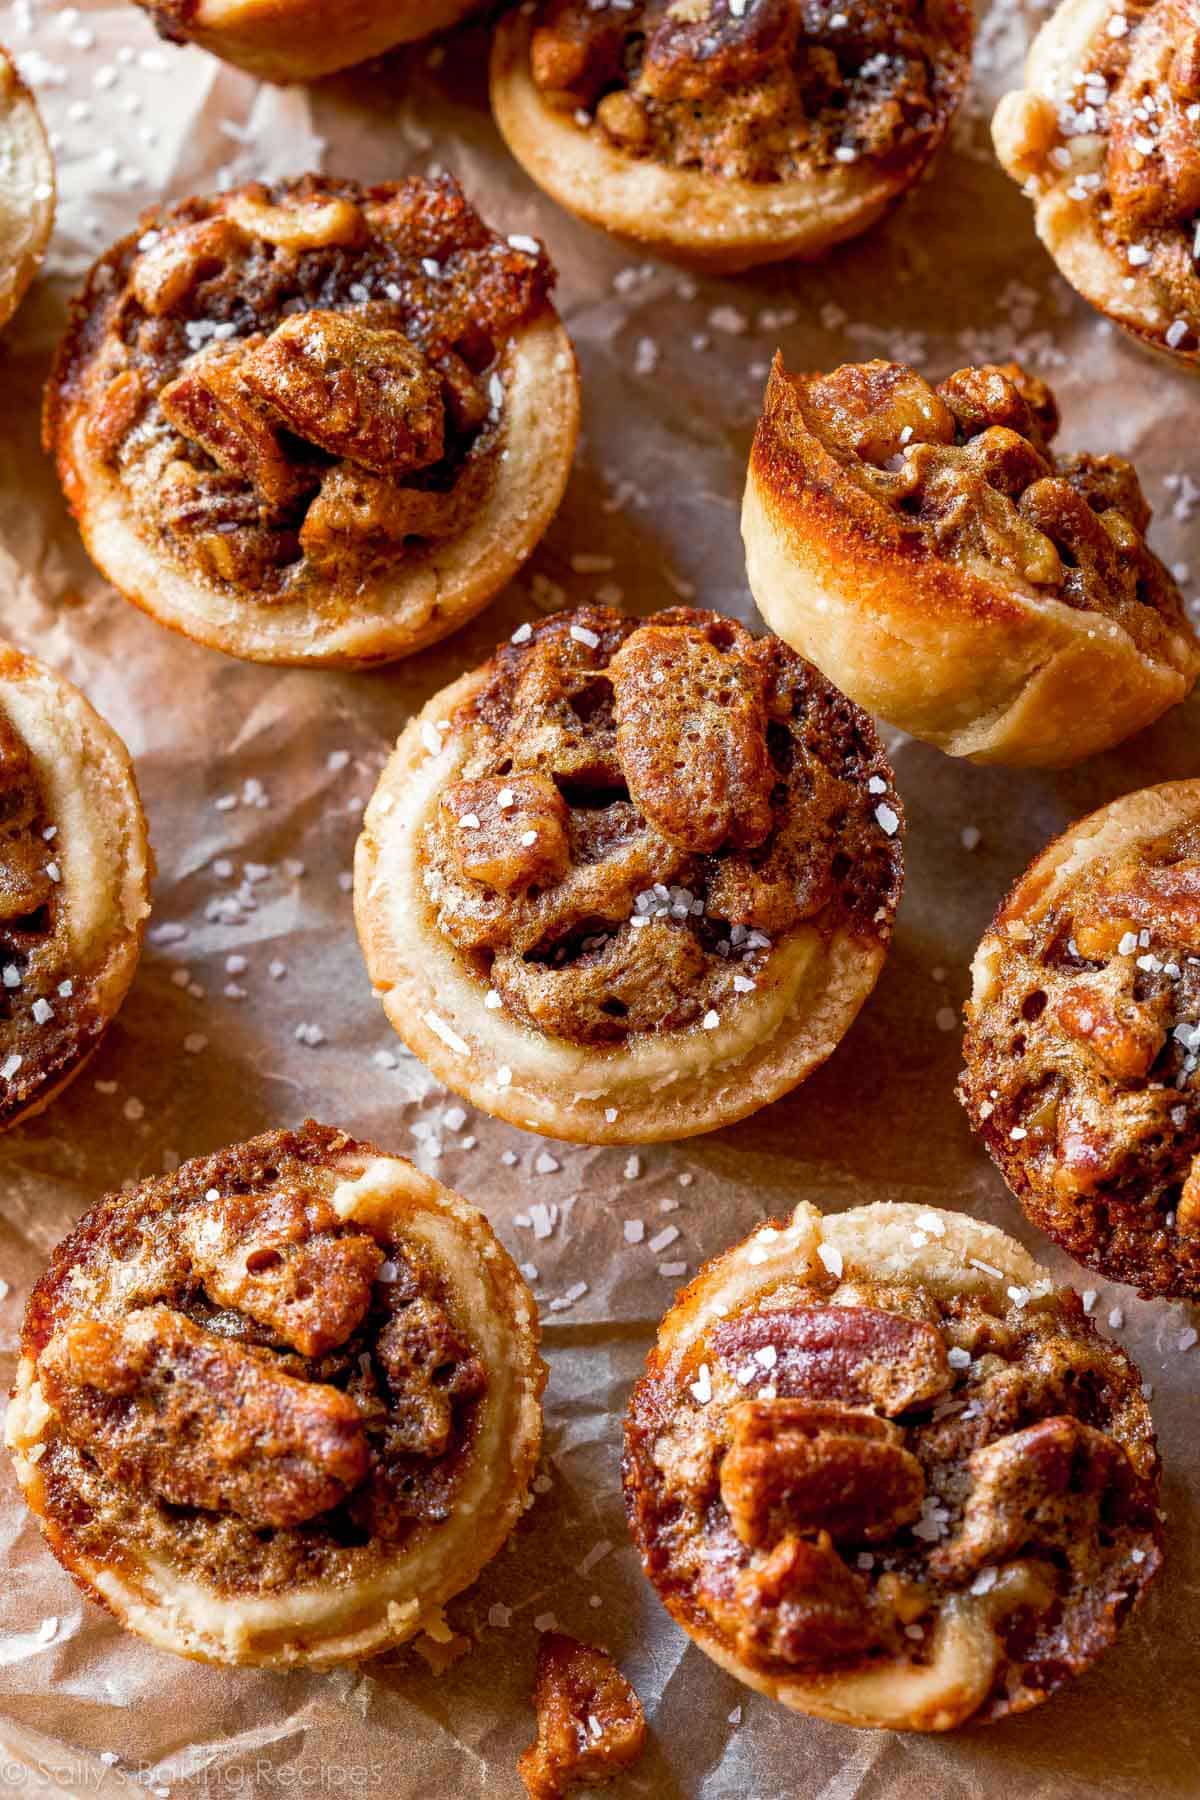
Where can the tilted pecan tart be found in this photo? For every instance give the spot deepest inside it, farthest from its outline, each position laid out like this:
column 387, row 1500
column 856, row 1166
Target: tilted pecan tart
column 299, row 40
column 1083, row 1040
column 727, row 134
column 938, row 558
column 630, row 880
column 882, row 1470
column 27, row 190
column 315, row 422
column 280, row 1406
column 75, row 871
column 1105, row 138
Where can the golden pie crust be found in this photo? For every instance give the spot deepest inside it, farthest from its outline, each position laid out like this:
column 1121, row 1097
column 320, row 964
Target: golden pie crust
column 1082, row 1039
column 938, row 559
column 279, row 1407
column 75, row 868
column 315, row 423
column 631, row 880
column 698, row 216
column 1105, row 139
column 27, row 194
column 883, row 1471
column 299, row 40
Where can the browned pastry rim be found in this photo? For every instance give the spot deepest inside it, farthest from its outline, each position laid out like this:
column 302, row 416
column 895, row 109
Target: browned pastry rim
column 75, row 868
column 1112, row 168
column 1078, row 1047
column 713, row 224
column 309, row 1418
column 27, row 199
column 978, row 650
column 882, row 1471
column 297, row 40
column 630, row 988
column 252, row 516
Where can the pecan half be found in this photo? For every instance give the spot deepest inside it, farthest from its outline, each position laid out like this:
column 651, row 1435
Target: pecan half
column 277, row 1258
column 692, row 738
column 509, row 833
column 855, row 1354
column 590, row 1723
column 1053, row 1485
column 185, row 257
column 202, row 1421
column 794, row 1467
column 874, row 409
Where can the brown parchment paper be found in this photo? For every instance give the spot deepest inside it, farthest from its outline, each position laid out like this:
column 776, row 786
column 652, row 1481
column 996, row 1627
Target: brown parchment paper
column 254, row 781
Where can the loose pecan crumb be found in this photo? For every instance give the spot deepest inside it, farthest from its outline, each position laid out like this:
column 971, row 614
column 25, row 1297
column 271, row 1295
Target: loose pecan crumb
column 590, row 1723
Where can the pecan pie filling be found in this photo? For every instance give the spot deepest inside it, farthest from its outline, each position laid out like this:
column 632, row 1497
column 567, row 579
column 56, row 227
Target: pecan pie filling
column 829, row 1475
column 1083, row 1063
column 242, row 1384
column 968, row 470
column 300, row 386
column 763, row 92
column 1131, row 126
column 45, row 1023
column 646, row 810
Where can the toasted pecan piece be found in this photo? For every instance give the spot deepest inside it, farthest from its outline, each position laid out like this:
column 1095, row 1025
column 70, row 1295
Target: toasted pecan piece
column 301, row 222
column 356, row 508
column 511, row 832
column 590, row 1723
column 167, row 273
column 212, row 405
column 855, row 1354
column 200, row 1420
column 1001, row 394
column 369, row 396
column 278, row 1258
column 1053, row 1485
column 795, row 1467
column 802, row 1605
column 428, row 1366
column 874, row 409
column 1123, row 1036
column 692, row 738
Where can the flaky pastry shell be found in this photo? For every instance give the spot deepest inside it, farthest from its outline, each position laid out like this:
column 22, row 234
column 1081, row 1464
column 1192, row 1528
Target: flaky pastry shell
column 834, row 1488
column 299, row 40
column 1049, row 137
column 717, row 226
column 418, row 589
column 1081, row 1043
column 960, row 649
column 240, row 1479
column 76, row 865
column 655, row 1084
column 27, row 193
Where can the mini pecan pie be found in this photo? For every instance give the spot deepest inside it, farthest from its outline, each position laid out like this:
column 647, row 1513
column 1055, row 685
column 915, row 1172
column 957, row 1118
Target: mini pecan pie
column 26, row 191
column 880, row 1469
column 280, row 1406
column 1105, row 137
column 315, row 422
column 632, row 879
column 1083, row 1040
column 723, row 134
column 299, row 40
column 74, row 882
column 938, row 559
column 590, row 1723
